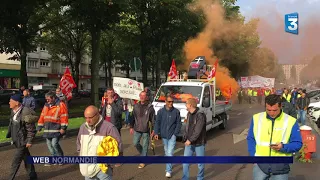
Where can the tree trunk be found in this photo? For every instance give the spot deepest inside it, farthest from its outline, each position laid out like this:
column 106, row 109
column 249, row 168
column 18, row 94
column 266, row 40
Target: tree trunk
column 158, row 70
column 153, row 73
column 95, row 44
column 144, row 66
column 23, row 67
column 77, row 70
column 106, row 73
column 128, row 71
column 109, row 71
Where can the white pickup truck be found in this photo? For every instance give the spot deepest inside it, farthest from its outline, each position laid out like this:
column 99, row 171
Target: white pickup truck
column 204, row 92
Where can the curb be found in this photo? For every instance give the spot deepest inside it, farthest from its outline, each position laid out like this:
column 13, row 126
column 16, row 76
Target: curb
column 70, row 133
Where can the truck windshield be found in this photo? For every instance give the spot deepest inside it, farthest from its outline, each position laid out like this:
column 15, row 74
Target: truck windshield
column 180, row 94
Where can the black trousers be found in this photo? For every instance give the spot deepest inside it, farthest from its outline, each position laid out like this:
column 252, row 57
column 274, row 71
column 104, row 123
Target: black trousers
column 120, row 153
column 20, row 155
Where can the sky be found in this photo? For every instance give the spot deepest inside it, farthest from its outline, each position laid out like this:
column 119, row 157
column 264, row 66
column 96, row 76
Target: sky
column 289, row 48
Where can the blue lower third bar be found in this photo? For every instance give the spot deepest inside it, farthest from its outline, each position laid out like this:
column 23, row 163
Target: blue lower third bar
column 158, row 160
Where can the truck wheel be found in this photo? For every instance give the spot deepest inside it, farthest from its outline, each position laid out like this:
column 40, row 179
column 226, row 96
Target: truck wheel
column 224, row 123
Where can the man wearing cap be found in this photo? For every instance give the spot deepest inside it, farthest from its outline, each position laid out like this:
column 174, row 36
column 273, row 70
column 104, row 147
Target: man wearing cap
column 21, row 130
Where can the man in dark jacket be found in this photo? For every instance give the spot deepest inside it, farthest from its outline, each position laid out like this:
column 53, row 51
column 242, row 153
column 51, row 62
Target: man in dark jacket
column 168, row 124
column 141, row 125
column 21, row 130
column 288, row 108
column 302, row 107
column 194, row 136
column 112, row 109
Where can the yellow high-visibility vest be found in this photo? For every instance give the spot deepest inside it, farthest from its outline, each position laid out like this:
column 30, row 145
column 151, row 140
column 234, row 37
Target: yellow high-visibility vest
column 288, row 97
column 250, row 92
column 262, row 130
column 299, row 95
column 255, row 93
column 266, row 93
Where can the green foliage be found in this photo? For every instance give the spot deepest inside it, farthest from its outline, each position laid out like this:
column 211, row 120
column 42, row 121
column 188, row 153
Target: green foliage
column 310, row 72
column 300, row 156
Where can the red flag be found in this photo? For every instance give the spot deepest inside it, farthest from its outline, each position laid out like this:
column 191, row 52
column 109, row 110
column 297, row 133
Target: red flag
column 212, row 74
column 173, row 71
column 67, row 84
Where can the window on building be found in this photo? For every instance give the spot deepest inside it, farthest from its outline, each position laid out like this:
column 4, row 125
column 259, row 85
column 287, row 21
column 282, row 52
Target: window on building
column 90, row 66
column 44, row 63
column 33, row 63
column 42, row 49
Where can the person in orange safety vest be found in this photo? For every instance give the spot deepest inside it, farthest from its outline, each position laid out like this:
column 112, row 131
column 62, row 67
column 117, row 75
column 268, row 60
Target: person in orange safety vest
column 54, row 121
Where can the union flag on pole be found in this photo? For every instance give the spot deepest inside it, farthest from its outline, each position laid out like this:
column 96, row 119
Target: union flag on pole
column 67, row 84
column 212, row 74
column 173, row 71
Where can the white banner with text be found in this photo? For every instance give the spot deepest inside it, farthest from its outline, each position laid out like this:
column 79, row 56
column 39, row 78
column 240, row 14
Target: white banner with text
column 127, row 88
column 257, row 81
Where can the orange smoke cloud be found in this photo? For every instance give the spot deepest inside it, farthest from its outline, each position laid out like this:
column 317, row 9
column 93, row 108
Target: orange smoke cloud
column 289, row 48
column 201, row 45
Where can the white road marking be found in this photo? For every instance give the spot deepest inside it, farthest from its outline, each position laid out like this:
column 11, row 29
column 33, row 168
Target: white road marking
column 239, row 114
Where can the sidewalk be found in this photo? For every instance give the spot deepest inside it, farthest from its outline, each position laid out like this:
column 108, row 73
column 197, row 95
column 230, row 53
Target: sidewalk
column 299, row 171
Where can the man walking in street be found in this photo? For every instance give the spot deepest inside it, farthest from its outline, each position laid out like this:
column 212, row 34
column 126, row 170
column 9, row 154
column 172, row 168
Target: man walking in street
column 302, row 107
column 28, row 101
column 273, row 133
column 194, row 137
column 21, row 130
column 142, row 124
column 93, row 134
column 54, row 117
column 168, row 125
column 112, row 111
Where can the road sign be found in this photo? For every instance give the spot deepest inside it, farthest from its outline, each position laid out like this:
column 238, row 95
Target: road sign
column 135, row 64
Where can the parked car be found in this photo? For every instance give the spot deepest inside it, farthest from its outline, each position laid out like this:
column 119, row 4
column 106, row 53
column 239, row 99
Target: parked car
column 5, row 95
column 84, row 93
column 39, row 96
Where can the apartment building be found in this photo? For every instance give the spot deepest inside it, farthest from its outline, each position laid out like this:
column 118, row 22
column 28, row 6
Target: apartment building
column 287, row 71
column 42, row 70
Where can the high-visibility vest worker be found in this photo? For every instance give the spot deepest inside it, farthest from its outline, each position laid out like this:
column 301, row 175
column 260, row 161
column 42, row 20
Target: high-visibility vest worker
column 267, row 92
column 218, row 92
column 287, row 97
column 250, row 92
column 255, row 93
column 299, row 95
column 263, row 132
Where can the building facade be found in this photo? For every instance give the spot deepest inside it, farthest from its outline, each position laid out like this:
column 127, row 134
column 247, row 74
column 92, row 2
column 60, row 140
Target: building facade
column 42, row 70
column 287, row 71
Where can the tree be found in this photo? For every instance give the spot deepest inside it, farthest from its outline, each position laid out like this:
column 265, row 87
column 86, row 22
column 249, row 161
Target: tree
column 310, row 72
column 20, row 23
column 237, row 51
column 96, row 15
column 263, row 63
column 67, row 42
column 169, row 22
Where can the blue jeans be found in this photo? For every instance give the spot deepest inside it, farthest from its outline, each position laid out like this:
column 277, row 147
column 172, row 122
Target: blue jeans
column 143, row 150
column 169, row 145
column 54, row 146
column 102, row 176
column 188, row 151
column 260, row 175
column 302, row 116
column 126, row 118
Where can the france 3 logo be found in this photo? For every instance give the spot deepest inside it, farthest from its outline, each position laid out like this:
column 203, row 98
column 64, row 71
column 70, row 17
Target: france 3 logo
column 291, row 22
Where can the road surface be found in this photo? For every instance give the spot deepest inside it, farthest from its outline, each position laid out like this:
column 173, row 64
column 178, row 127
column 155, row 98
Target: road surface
column 220, row 143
